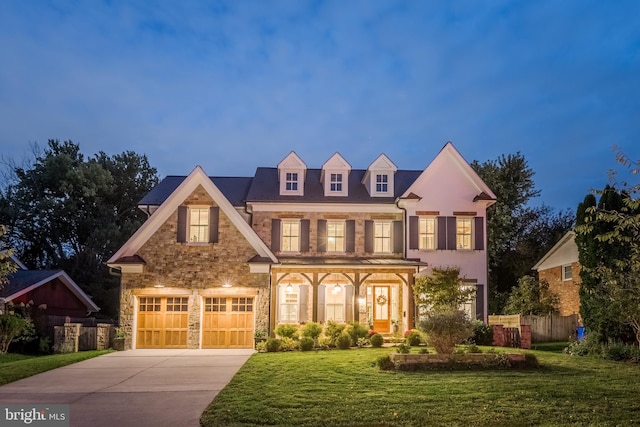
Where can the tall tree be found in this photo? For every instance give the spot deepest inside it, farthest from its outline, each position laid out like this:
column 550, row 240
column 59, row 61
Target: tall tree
column 70, row 212
column 518, row 234
column 7, row 266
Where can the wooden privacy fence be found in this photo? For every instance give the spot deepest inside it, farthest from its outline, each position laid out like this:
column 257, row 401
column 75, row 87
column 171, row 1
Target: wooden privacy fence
column 552, row 327
column 73, row 337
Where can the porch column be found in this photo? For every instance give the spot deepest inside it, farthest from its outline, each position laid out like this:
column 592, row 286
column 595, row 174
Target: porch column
column 314, row 289
column 356, row 297
column 411, row 310
column 273, row 307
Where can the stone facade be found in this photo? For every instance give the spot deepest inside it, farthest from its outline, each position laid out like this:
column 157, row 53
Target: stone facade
column 567, row 290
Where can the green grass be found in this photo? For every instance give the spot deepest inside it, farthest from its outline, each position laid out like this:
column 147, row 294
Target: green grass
column 14, row 367
column 554, row 347
column 340, row 388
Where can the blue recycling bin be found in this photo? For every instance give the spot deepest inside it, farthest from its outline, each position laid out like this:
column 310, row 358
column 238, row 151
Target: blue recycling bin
column 580, row 333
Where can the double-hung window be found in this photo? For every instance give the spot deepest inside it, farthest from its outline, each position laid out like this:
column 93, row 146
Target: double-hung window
column 567, row 274
column 427, row 233
column 198, row 225
column 382, row 237
column 382, row 183
column 291, row 181
column 289, row 303
column 335, row 236
column 290, row 236
column 336, row 182
column 334, row 303
column 463, row 233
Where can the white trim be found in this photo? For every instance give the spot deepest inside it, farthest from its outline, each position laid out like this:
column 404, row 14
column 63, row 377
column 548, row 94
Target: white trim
column 324, row 207
column 18, row 262
column 568, row 237
column 128, row 268
column 169, row 206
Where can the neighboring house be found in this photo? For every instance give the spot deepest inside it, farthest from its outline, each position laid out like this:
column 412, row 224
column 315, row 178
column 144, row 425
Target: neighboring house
column 560, row 268
column 221, row 258
column 51, row 288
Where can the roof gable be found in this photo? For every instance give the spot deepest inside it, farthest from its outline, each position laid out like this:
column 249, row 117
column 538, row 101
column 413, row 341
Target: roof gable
column 382, row 162
column 187, row 186
column 336, row 162
column 292, row 161
column 564, row 252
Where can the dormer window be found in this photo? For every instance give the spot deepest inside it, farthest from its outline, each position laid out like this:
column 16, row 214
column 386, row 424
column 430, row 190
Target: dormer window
column 379, row 177
column 336, row 182
column 291, row 181
column 335, row 176
column 382, row 183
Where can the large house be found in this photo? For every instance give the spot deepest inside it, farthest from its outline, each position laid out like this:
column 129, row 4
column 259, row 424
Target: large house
column 221, row 258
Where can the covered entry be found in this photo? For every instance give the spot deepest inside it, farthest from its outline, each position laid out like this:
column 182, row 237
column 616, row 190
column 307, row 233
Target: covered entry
column 162, row 322
column 227, row 322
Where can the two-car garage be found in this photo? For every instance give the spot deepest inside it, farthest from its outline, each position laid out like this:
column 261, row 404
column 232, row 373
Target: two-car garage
column 226, row 322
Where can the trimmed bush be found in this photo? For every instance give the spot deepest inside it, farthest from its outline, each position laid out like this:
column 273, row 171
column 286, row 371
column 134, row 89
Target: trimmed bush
column 343, row 342
column 482, row 333
column 403, row 349
column 306, row 343
column 446, row 329
column 376, row 340
column 287, row 331
column 289, row 344
column 357, row 331
column 385, row 363
column 413, row 339
column 333, row 330
column 312, row 330
column 273, row 344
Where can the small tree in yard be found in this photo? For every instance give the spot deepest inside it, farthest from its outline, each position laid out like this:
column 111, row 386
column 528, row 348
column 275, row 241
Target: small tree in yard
column 531, row 296
column 439, row 298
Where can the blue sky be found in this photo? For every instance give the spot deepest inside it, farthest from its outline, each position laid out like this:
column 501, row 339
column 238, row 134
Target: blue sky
column 239, row 84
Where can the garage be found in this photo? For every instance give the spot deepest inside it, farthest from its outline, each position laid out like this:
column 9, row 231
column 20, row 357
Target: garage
column 162, row 322
column 227, row 322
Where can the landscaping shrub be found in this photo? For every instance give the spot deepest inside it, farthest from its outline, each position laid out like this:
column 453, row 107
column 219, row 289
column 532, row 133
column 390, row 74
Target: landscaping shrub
column 273, row 344
column 403, row 349
column 306, row 343
column 343, row 342
column 289, row 344
column 287, row 331
column 11, row 327
column 363, row 342
column 312, row 330
column 385, row 363
column 482, row 333
column 413, row 339
column 446, row 329
column 324, row 343
column 333, row 330
column 376, row 340
column 620, row 351
column 261, row 347
column 357, row 331
column 423, row 350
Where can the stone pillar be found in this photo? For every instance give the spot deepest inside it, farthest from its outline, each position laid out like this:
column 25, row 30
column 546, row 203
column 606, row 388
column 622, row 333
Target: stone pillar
column 498, row 335
column 103, row 336
column 273, row 308
column 525, row 336
column 66, row 338
column 411, row 310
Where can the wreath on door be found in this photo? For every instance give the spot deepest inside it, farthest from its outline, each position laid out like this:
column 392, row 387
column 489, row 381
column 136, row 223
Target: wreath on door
column 381, row 300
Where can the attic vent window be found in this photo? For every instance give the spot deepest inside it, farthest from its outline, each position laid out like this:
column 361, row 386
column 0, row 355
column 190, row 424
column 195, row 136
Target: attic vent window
column 382, row 185
column 336, row 182
column 291, row 181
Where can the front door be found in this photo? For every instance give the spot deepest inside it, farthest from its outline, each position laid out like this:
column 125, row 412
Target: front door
column 381, row 308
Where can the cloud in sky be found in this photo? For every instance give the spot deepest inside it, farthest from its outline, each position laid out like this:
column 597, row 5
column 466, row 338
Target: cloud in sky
column 235, row 85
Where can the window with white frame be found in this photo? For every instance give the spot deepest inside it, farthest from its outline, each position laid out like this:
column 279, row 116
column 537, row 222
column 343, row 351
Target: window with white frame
column 334, row 303
column 291, row 181
column 336, row 182
column 382, row 237
column 199, row 225
column 289, row 302
column 567, row 274
column 382, row 183
column 463, row 233
column 427, row 233
column 290, row 236
column 335, row 236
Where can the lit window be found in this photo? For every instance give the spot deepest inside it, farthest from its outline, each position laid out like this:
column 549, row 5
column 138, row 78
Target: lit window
column 382, row 183
column 336, row 182
column 199, row 225
column 567, row 274
column 335, row 236
column 382, row 237
column 427, row 233
column 290, row 236
column 334, row 303
column 291, row 181
column 289, row 303
column 463, row 233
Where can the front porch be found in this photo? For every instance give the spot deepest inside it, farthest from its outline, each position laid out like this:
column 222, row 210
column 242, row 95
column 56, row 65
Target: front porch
column 375, row 292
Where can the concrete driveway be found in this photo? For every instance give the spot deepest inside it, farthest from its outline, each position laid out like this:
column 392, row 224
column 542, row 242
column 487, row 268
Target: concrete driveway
column 133, row 388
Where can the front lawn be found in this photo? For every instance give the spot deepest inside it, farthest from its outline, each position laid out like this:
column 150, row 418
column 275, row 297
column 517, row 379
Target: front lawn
column 14, row 367
column 338, row 388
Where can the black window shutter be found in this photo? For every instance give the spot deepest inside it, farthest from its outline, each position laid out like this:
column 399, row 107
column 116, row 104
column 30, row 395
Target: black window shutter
column 451, row 233
column 480, row 302
column 214, row 216
column 414, row 232
column 479, row 233
column 350, row 236
column 398, row 237
column 304, row 235
column 275, row 235
column 182, row 224
column 442, row 232
column 368, row 236
column 322, row 235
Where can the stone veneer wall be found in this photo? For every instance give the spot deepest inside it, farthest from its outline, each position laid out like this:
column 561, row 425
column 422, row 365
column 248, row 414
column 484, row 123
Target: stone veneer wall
column 194, row 270
column 567, row 290
column 262, row 226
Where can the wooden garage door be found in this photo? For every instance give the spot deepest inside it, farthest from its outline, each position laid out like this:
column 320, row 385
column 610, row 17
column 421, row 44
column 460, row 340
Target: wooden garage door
column 227, row 322
column 162, row 322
